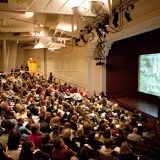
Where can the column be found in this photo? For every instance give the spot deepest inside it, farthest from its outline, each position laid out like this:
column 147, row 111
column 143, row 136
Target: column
column 4, row 53
column 103, row 73
column 97, row 73
column 91, row 49
column 12, row 55
column 45, row 62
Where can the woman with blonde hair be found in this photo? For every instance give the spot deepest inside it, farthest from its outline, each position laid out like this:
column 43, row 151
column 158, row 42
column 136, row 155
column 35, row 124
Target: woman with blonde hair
column 126, row 152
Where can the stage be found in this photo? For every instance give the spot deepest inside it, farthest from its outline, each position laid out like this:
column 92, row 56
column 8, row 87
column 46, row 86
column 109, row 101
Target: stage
column 149, row 109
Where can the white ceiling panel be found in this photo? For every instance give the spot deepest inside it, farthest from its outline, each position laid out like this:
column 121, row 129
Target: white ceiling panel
column 56, row 14
column 55, row 6
column 60, row 6
column 67, row 7
column 38, row 5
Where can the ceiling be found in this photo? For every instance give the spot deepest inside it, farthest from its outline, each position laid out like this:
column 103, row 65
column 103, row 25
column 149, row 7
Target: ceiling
column 27, row 20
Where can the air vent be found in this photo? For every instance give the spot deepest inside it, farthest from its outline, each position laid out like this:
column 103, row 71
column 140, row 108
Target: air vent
column 3, row 1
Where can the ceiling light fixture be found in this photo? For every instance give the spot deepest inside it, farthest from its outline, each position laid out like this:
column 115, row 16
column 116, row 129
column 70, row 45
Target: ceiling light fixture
column 79, row 11
column 96, row 7
column 41, row 25
column 108, row 18
column 28, row 14
column 127, row 15
column 44, row 31
column 38, row 46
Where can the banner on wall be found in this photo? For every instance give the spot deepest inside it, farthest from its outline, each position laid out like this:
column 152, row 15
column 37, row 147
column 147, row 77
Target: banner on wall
column 32, row 66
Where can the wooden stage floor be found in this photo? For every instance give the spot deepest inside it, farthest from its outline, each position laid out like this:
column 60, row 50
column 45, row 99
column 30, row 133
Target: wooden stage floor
column 147, row 108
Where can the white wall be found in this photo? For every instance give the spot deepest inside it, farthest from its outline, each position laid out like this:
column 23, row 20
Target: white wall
column 97, row 77
column 8, row 54
column 20, row 56
column 11, row 55
column 70, row 65
column 74, row 65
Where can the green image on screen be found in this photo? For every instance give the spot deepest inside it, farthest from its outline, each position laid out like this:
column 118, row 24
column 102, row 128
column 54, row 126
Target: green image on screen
column 149, row 74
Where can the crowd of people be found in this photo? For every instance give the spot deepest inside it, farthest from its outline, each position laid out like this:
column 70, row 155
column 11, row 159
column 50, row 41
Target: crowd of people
column 46, row 120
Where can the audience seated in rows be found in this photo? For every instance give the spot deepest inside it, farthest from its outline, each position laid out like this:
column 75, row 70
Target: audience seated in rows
column 43, row 120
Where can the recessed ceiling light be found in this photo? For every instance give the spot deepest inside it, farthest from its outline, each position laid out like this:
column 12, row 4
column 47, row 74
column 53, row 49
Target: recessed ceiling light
column 28, row 14
column 41, row 25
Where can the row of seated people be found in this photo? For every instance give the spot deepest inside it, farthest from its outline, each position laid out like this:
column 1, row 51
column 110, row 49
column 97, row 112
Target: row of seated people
column 42, row 121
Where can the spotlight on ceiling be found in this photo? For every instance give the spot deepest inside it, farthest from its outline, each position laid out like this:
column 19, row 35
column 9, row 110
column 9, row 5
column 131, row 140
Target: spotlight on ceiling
column 83, row 38
column 99, row 33
column 127, row 15
column 115, row 19
column 78, row 11
column 108, row 18
column 96, row 7
column 77, row 41
column 102, row 27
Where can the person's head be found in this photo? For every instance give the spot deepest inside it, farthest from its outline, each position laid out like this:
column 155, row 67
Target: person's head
column 20, row 121
column 66, row 133
column 85, row 153
column 29, row 114
column 91, row 135
column 135, row 130
column 7, row 125
column 107, row 133
column 56, row 129
column 80, row 132
column 19, row 108
column 55, row 120
column 108, row 144
column 102, row 127
column 59, row 143
column 47, row 115
column 27, row 150
column 45, row 138
column 41, row 116
column 86, row 125
column 13, row 140
column 34, row 129
column 74, row 118
column 67, row 125
column 125, row 149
